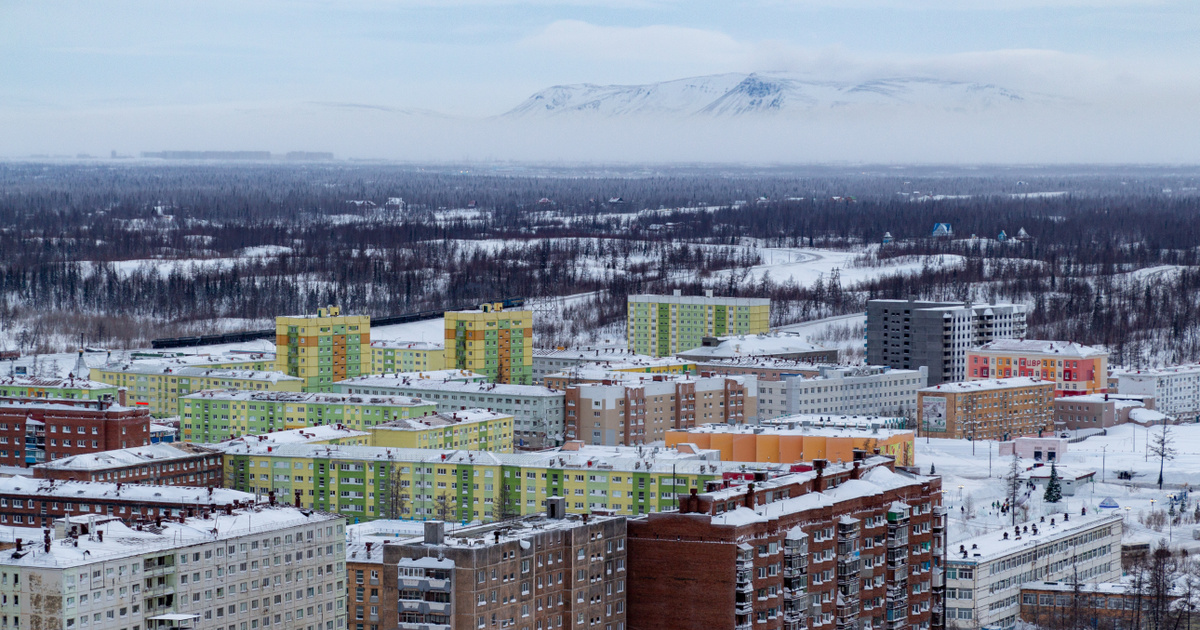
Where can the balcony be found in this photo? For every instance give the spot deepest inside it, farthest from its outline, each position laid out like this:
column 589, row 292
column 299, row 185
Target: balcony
column 424, row 607
column 425, row 584
column 404, row 625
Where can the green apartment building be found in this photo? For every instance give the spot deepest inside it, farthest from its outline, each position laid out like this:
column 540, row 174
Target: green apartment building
column 662, row 325
column 70, row 388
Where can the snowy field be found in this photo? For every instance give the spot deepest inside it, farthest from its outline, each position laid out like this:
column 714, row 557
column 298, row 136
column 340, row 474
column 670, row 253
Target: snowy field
column 971, row 484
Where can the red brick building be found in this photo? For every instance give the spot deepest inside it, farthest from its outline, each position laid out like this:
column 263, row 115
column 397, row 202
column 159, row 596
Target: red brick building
column 178, row 464
column 836, row 547
column 32, row 432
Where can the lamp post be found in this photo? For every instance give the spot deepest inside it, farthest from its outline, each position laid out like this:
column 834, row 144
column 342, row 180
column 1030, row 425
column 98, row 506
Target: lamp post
column 1103, row 457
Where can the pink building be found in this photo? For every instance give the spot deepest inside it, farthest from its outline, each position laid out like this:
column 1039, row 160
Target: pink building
column 1075, row 369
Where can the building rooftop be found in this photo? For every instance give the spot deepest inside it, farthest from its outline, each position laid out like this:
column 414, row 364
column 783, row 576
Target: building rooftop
column 121, row 541
column 306, row 398
column 752, row 345
column 875, row 430
column 503, row 532
column 304, row 435
column 169, row 364
column 837, row 422
column 1093, row 588
column 700, row 299
column 1160, row 371
column 988, row 547
column 452, row 386
column 62, row 404
column 383, row 380
column 67, row 490
column 149, row 454
column 1034, row 346
column 407, row 345
column 248, row 375
column 763, row 363
column 41, row 382
column 450, row 418
column 987, row 384
column 632, row 379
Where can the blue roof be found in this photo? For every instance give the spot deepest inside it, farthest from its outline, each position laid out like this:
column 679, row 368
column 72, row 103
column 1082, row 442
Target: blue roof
column 1108, row 503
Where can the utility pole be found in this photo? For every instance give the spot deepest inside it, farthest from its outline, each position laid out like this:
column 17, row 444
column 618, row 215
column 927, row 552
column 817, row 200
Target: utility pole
column 1103, row 456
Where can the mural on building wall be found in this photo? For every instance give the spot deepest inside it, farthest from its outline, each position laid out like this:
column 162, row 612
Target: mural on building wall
column 933, row 413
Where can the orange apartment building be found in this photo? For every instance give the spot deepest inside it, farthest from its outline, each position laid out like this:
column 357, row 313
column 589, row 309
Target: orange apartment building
column 997, row 409
column 794, row 442
column 1075, row 369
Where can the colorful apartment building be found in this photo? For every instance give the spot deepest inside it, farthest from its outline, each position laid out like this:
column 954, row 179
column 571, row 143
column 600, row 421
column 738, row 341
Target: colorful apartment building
column 493, row 342
column 221, row 414
column 388, row 357
column 1075, row 369
column 69, row 388
column 796, row 442
column 158, row 385
column 367, row 483
column 663, row 325
column 469, row 429
column 324, row 348
column 36, row 431
column 998, row 409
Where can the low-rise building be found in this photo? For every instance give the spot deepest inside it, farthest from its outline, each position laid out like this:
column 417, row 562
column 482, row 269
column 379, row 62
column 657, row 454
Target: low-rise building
column 1038, row 449
column 158, row 383
column 784, row 346
column 33, row 431
column 221, row 414
column 764, row 368
column 984, row 574
column 1176, row 389
column 997, row 409
column 1070, row 479
column 1075, row 369
column 1096, row 411
column 554, row 571
column 802, row 440
column 1065, row 604
column 158, row 464
column 26, row 502
column 537, row 411
column 210, row 571
column 69, row 388
column 388, row 357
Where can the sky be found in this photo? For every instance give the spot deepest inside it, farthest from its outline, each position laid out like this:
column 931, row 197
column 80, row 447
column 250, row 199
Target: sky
column 424, row 79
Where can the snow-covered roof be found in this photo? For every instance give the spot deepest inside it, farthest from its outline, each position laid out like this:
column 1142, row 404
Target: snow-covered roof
column 460, row 387
column 407, row 345
column 988, row 384
column 450, row 418
column 1065, row 473
column 1035, row 346
column 635, row 379
column 41, row 382
column 174, row 363
column 753, row 345
column 149, row 454
column 68, row 490
column 699, row 299
column 513, row 530
column 1147, row 416
column 764, row 363
column 245, row 375
column 590, row 354
column 382, row 380
column 845, row 430
column 1174, row 370
column 303, row 435
column 988, row 547
column 303, row 398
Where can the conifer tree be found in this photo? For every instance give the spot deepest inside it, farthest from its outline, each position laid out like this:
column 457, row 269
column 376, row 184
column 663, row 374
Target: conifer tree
column 1053, row 489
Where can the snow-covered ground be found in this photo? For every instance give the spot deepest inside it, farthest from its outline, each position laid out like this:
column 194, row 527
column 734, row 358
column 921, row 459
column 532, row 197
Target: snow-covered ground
column 972, row 479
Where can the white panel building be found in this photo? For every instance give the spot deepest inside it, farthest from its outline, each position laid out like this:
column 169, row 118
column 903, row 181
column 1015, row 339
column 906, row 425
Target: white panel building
column 1176, row 390
column 873, row 390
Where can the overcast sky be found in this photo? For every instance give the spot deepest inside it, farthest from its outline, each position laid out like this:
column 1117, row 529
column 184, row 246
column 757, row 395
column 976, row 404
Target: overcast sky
column 90, row 76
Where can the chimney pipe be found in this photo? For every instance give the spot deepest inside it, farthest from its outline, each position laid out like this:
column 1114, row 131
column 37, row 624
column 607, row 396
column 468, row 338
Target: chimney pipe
column 750, row 496
column 100, row 535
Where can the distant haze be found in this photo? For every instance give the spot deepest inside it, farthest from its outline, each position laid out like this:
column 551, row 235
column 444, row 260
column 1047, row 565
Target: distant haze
column 1113, row 81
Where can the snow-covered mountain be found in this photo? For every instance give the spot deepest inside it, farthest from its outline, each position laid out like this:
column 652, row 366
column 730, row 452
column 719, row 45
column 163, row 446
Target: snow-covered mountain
column 756, row 94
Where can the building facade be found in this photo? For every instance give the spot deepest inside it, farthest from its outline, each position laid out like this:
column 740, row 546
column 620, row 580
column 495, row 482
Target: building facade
column 69, row 388
column 908, row 334
column 369, row 604
column 1176, row 390
column 159, row 387
column 1106, row 605
column 785, row 346
column 1096, row 411
column 663, row 325
column 323, row 349
column 491, row 341
column 546, row 362
column 33, row 432
column 998, row 409
column 864, row 390
column 388, row 357
column 219, row 414
column 984, row 574
column 795, row 442
column 1075, row 369
column 26, row 502
column 156, row 464
column 469, row 429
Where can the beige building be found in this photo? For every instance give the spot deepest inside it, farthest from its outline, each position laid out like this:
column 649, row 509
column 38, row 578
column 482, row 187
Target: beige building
column 997, row 409
column 491, row 341
column 324, row 348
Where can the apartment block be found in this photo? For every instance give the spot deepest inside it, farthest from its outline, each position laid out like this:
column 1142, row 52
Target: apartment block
column 908, row 334
column 215, row 570
column 36, row 431
column 861, row 390
column 69, row 388
column 158, row 385
column 1075, row 369
column 388, row 357
column 470, row 429
column 369, row 603
column 1176, row 389
column 546, row 362
column 1096, row 411
column 219, row 414
column 552, row 571
column 766, row 369
column 366, row 483
column 786, row 346
column 998, row 409
column 663, row 325
column 324, row 348
column 801, row 440
column 1057, row 604
column 157, row 464
column 491, row 341
column 985, row 574
column 26, row 502
column 537, row 411
column 855, row 545
column 628, row 409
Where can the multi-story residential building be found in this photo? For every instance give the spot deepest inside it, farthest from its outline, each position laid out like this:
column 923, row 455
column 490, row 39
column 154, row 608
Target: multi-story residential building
column 366, row 483
column 997, row 409
column 863, row 390
column 158, row 385
column 158, row 464
column 1063, row 604
column 1075, row 369
column 369, row 603
column 36, row 431
column 984, row 574
column 26, row 502
column 909, row 334
column 491, row 341
column 388, row 357
column 324, row 348
column 766, row 369
column 553, row 571
column 800, row 440
column 1097, row 411
column 69, row 388
column 215, row 570
column 616, row 408
column 855, row 545
column 663, row 325
column 547, row 362
column 220, row 414
column 1176, row 389
column 537, row 411
column 470, row 429
column 785, row 346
